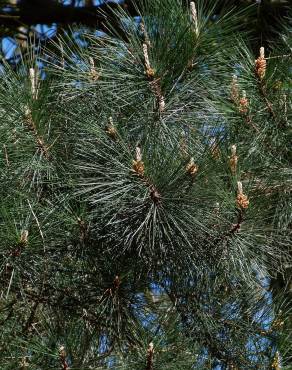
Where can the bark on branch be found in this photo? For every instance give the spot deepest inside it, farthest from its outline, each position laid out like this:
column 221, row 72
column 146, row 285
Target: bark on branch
column 32, row 12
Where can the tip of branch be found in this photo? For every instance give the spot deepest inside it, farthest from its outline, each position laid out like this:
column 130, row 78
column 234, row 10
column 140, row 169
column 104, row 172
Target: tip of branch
column 239, row 187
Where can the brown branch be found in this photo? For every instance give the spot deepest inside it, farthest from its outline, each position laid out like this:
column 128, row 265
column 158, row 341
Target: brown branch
column 265, row 97
column 7, row 16
column 138, row 168
column 150, row 355
column 6, row 155
column 62, row 356
column 233, row 229
column 32, row 12
column 154, row 82
column 29, row 321
column 113, row 289
column 39, row 140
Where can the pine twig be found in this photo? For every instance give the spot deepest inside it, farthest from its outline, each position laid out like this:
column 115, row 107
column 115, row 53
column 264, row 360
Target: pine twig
column 139, row 167
column 154, row 83
column 269, row 105
column 62, row 356
column 260, row 70
column 30, row 319
column 6, row 155
column 194, row 15
column 39, row 139
column 150, row 357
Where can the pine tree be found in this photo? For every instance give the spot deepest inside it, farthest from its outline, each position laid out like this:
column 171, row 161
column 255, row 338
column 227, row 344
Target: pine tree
column 145, row 198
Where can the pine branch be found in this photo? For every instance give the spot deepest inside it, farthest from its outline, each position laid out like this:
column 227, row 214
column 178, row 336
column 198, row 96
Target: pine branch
column 150, row 354
column 32, row 12
column 38, row 138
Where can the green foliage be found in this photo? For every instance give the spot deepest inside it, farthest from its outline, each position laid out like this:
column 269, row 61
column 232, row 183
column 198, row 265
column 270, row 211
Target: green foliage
column 123, row 221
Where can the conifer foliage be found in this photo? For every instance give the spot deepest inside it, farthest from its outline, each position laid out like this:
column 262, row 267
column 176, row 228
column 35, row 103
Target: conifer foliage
column 145, row 197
